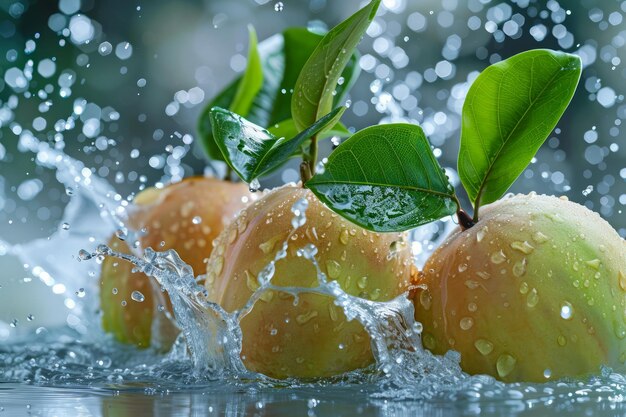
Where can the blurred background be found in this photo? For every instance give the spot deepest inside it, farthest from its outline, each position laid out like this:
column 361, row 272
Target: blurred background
column 119, row 84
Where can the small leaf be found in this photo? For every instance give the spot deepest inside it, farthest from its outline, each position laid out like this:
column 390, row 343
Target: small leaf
column 204, row 121
column 509, row 111
column 271, row 53
column 287, row 129
column 313, row 92
column 385, row 178
column 299, row 45
column 253, row 151
column 282, row 58
column 252, row 79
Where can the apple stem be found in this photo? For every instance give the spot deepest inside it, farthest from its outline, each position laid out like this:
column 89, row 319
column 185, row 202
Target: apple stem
column 465, row 220
column 228, row 176
column 307, row 167
column 305, row 172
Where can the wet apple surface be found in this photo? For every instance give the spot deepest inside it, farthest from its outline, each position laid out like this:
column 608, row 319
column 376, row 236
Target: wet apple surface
column 186, row 217
column 310, row 338
column 536, row 290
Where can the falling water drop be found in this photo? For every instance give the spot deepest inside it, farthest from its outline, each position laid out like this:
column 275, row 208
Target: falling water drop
column 254, row 185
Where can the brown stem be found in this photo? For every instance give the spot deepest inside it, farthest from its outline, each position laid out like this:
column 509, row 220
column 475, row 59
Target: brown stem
column 465, row 220
column 305, row 172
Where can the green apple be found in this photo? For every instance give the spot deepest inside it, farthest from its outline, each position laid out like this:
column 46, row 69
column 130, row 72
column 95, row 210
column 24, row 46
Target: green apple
column 310, row 338
column 535, row 290
column 185, row 216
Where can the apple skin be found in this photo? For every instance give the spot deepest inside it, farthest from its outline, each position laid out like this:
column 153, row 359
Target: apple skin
column 185, row 216
column 313, row 338
column 536, row 290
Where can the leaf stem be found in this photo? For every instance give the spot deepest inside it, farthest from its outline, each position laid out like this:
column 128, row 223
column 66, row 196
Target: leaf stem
column 305, row 172
column 313, row 154
column 476, row 207
column 465, row 221
column 307, row 168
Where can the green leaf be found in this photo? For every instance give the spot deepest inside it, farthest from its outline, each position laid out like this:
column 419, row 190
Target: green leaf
column 204, row 122
column 385, row 178
column 287, row 128
column 299, row 45
column 313, row 92
column 272, row 58
column 253, row 151
column 252, row 79
column 282, row 58
column 509, row 111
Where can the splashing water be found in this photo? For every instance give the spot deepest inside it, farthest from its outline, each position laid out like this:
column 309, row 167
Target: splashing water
column 207, row 352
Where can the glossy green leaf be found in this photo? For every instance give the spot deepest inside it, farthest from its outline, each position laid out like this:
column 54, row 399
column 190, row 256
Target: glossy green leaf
column 313, row 92
column 252, row 79
column 252, row 150
column 298, row 47
column 272, row 58
column 287, row 128
column 385, row 178
column 282, row 58
column 204, row 121
column 509, row 111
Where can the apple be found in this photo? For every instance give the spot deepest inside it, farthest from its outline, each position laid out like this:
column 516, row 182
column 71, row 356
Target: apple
column 535, row 290
column 311, row 337
column 185, row 216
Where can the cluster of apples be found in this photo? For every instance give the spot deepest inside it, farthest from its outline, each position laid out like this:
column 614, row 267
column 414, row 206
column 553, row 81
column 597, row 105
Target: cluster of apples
column 533, row 288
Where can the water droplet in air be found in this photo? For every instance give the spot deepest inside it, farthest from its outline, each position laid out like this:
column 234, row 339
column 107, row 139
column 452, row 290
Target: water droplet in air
column 299, row 210
column 196, row 220
column 80, row 293
column 279, row 6
column 84, row 255
column 30, row 317
column 121, row 234
column 14, row 323
column 65, row 226
column 547, row 373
